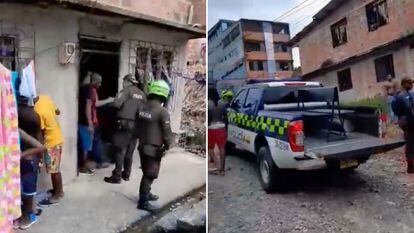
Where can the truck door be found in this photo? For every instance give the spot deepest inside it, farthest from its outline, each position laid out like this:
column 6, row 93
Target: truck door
column 234, row 133
column 249, row 109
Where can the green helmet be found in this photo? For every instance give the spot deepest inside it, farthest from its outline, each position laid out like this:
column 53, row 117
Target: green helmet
column 159, row 87
column 227, row 94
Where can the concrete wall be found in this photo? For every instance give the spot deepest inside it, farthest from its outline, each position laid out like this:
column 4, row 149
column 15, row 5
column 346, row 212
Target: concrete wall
column 364, row 77
column 177, row 11
column 54, row 25
column 317, row 47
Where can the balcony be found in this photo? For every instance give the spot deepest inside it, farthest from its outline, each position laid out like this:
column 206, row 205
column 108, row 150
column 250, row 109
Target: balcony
column 281, row 38
column 262, row 56
column 253, row 36
column 283, row 57
column 257, row 74
column 256, row 55
column 266, row 75
column 259, row 36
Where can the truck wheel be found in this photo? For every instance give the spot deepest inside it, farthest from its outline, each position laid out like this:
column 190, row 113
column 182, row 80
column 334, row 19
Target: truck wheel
column 230, row 148
column 271, row 178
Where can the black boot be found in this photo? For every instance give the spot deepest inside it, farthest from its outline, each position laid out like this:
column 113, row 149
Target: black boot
column 125, row 176
column 144, row 204
column 112, row 180
column 410, row 166
column 153, row 197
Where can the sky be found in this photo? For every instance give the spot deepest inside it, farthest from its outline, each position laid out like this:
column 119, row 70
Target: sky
column 267, row 10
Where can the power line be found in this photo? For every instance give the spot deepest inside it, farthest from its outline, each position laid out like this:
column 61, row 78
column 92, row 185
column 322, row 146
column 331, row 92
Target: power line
column 294, row 9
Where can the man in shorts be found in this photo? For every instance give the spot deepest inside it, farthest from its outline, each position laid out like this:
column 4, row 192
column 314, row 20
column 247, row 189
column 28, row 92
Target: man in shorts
column 89, row 133
column 53, row 139
column 29, row 122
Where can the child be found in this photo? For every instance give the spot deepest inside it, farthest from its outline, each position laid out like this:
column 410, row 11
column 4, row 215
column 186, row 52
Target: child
column 53, row 136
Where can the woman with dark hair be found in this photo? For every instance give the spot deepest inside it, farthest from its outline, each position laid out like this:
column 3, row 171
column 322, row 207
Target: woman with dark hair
column 217, row 135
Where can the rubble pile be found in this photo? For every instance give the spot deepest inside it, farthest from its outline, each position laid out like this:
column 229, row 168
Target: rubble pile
column 194, row 116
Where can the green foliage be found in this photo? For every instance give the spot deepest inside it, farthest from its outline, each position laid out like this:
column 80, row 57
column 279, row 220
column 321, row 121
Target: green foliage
column 377, row 102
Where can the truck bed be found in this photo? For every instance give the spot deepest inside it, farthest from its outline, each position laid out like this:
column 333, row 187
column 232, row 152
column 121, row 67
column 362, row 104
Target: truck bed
column 355, row 146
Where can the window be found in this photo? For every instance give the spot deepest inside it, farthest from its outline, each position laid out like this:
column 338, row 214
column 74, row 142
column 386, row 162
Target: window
column 252, row 100
column 224, row 27
column 240, row 98
column 235, row 33
column 256, row 65
column 8, row 52
column 280, row 29
column 226, row 41
column 252, row 46
column 344, row 80
column 384, row 66
column 284, row 65
column 280, row 48
column 377, row 14
column 338, row 31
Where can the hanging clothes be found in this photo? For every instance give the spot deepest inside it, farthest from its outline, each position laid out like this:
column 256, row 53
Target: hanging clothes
column 9, row 154
column 28, row 83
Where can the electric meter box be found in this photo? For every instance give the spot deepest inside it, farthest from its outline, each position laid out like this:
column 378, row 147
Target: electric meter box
column 67, row 52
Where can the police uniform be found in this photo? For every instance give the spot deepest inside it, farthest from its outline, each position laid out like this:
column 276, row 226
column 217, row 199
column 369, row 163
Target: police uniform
column 155, row 138
column 128, row 101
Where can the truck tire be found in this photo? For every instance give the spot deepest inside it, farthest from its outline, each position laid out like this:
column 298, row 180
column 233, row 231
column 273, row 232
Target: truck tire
column 230, row 148
column 271, row 178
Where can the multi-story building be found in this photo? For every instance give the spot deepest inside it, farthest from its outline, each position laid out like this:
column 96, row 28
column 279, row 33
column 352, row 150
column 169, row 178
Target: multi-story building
column 248, row 49
column 356, row 44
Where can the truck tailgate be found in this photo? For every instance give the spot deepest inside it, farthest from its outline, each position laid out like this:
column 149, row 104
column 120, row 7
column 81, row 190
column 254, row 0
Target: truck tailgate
column 353, row 149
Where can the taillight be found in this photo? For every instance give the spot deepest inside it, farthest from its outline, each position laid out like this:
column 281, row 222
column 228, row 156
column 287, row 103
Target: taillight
column 296, row 136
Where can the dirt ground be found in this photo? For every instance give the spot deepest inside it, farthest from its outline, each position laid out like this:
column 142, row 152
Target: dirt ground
column 377, row 197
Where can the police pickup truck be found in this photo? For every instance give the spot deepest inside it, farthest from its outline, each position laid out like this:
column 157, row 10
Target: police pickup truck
column 301, row 126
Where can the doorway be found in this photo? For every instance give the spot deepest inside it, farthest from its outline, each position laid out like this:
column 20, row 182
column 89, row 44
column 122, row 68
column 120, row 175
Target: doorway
column 102, row 56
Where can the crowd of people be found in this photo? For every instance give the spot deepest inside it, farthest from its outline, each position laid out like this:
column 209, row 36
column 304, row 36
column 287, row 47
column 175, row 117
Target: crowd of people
column 36, row 140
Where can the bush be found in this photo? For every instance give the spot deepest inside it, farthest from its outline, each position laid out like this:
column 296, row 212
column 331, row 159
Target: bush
column 377, row 102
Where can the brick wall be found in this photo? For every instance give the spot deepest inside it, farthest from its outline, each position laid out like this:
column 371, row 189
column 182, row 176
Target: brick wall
column 172, row 10
column 364, row 77
column 196, row 62
column 317, row 47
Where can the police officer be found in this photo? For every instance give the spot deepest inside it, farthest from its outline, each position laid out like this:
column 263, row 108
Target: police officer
column 128, row 102
column 226, row 98
column 403, row 107
column 155, row 138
